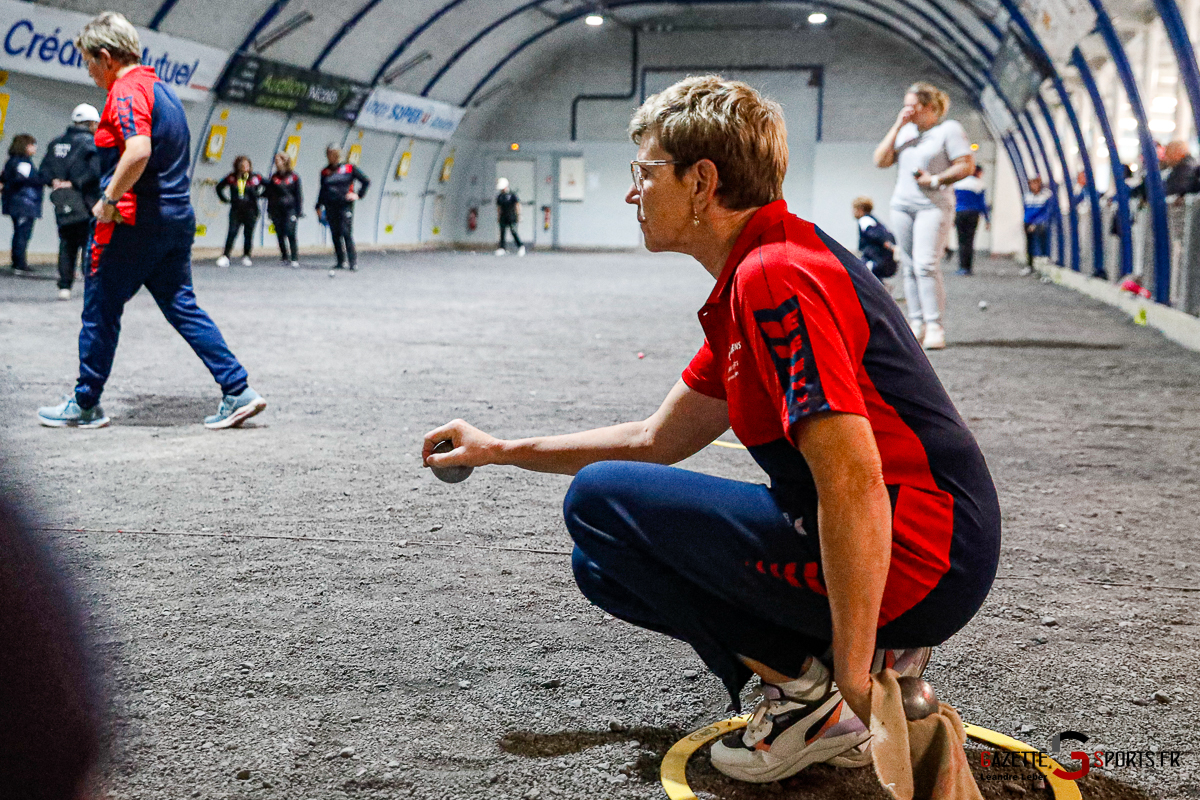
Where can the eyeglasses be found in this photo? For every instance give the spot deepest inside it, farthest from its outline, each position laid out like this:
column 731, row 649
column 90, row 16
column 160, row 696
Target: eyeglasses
column 636, row 167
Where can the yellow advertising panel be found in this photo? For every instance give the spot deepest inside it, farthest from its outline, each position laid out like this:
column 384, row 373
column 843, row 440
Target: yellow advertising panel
column 215, row 145
column 447, row 166
column 355, row 154
column 405, row 163
column 3, row 112
column 292, row 148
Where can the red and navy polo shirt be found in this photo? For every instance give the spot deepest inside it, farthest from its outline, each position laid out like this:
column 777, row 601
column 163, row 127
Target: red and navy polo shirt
column 796, row 325
column 139, row 104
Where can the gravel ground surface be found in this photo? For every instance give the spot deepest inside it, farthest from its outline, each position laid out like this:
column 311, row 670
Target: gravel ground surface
column 306, row 613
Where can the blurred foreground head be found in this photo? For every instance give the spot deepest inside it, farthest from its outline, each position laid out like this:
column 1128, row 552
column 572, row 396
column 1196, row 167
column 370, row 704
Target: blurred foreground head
column 49, row 711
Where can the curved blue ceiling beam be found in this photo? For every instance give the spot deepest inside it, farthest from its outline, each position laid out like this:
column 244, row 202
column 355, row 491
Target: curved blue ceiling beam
column 1154, row 186
column 1120, row 188
column 347, row 26
column 1064, row 96
column 161, row 14
column 1089, row 177
column 266, row 19
column 408, row 40
column 1185, row 54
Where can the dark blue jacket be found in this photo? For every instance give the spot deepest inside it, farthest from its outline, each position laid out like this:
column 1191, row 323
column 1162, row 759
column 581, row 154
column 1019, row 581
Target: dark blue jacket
column 22, row 195
column 873, row 238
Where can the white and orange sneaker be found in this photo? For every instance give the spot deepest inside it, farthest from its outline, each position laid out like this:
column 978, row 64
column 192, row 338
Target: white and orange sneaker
column 787, row 733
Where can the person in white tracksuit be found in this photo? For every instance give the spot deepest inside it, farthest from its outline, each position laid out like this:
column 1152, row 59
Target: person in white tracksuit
column 932, row 154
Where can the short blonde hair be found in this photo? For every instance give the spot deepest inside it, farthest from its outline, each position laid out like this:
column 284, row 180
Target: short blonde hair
column 930, row 95
column 863, row 202
column 728, row 123
column 112, row 32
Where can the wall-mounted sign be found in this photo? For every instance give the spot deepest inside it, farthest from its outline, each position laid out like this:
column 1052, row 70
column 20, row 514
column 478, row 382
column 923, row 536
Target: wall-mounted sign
column 396, row 112
column 355, row 154
column 40, row 40
column 447, row 167
column 570, row 179
column 214, row 146
column 269, row 84
column 405, row 163
column 1017, row 71
column 3, row 112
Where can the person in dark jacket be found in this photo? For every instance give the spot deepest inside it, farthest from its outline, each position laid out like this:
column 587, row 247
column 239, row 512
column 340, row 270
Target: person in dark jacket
column 876, row 244
column 284, row 201
column 72, row 169
column 970, row 203
column 335, row 204
column 21, row 197
column 508, row 214
column 1181, row 176
column 241, row 189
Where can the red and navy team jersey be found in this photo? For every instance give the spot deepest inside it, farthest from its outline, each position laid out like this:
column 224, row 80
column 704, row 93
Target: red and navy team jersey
column 796, row 325
column 139, row 104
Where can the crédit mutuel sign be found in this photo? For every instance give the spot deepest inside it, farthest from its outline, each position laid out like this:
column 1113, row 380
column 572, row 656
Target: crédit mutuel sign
column 39, row 40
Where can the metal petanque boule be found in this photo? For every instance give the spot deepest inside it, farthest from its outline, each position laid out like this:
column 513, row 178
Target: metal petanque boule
column 918, row 698
column 449, row 474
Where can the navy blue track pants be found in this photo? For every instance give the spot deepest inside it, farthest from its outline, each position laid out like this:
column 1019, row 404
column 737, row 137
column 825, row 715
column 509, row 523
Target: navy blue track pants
column 716, row 563
column 158, row 256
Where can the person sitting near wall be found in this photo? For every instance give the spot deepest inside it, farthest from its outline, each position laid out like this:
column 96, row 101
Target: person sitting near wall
column 1181, row 175
column 335, row 204
column 508, row 214
column 72, row 169
column 21, row 197
column 876, row 244
column 241, row 189
column 970, row 203
column 284, row 202
column 1037, row 224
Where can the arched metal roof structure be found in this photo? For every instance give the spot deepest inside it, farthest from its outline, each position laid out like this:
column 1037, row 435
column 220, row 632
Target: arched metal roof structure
column 464, row 45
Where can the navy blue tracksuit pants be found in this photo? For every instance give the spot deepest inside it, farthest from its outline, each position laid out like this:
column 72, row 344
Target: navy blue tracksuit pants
column 718, row 564
column 157, row 255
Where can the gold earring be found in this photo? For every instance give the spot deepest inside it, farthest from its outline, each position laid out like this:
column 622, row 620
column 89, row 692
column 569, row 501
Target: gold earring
column 695, row 217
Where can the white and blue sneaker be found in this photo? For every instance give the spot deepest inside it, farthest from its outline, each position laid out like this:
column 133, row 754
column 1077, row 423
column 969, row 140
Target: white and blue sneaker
column 236, row 409
column 68, row 414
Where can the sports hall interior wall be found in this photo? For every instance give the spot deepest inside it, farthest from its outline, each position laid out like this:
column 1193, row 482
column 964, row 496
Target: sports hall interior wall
column 864, row 73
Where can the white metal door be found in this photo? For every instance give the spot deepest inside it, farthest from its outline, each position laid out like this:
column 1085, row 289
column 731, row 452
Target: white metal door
column 520, row 178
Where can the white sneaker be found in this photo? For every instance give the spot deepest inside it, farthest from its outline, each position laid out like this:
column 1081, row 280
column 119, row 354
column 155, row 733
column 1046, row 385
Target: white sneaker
column 295, row 265
column 223, row 261
column 918, row 329
column 521, row 250
column 500, row 251
column 64, row 294
column 908, row 663
column 246, row 262
column 1026, row 271
column 935, row 336
column 785, row 735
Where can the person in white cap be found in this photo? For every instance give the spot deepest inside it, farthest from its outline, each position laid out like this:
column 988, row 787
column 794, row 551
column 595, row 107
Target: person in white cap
column 72, row 170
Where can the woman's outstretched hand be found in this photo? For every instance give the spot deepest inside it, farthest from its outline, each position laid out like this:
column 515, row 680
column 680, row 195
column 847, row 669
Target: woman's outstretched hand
column 472, row 447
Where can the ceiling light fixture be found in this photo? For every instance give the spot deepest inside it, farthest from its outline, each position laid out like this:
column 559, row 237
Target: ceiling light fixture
column 490, row 93
column 595, row 20
column 401, row 69
column 818, row 18
column 287, row 28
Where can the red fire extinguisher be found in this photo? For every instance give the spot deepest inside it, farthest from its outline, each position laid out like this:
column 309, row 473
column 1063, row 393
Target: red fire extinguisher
column 473, row 218
column 545, row 218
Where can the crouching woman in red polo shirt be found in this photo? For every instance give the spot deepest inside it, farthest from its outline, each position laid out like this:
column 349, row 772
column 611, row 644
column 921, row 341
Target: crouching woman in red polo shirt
column 879, row 534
